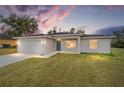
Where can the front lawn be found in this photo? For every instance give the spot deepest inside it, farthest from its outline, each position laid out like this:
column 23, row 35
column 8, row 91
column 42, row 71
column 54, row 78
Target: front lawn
column 67, row 70
column 5, row 51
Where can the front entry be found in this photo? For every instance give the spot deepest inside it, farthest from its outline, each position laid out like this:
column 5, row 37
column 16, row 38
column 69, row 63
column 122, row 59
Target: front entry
column 58, row 45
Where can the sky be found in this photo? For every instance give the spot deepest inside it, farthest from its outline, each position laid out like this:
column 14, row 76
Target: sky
column 87, row 17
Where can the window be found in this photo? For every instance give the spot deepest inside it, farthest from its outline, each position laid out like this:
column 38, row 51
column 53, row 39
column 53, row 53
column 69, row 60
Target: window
column 93, row 44
column 70, row 44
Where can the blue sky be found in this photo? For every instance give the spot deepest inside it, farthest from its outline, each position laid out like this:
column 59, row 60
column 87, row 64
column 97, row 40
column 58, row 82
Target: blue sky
column 91, row 18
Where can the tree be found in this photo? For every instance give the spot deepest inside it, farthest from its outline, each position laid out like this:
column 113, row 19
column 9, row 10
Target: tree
column 72, row 30
column 118, row 41
column 50, row 32
column 81, row 32
column 19, row 25
column 54, row 30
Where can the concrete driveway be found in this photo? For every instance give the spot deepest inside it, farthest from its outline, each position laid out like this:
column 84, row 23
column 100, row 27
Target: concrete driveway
column 16, row 57
column 13, row 58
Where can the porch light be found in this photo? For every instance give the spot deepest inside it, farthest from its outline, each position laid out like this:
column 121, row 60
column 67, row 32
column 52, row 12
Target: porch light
column 18, row 42
column 58, row 39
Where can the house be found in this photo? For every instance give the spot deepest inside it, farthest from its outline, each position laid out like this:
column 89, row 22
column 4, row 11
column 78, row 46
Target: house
column 49, row 44
column 7, row 41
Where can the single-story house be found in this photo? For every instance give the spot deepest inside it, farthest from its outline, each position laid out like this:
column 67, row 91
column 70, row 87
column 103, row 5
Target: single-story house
column 6, row 41
column 64, row 43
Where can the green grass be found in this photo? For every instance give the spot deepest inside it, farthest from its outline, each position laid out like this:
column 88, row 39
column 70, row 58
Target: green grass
column 4, row 51
column 67, row 70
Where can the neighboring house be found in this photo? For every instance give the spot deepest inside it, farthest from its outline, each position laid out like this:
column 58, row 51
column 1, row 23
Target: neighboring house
column 64, row 43
column 6, row 41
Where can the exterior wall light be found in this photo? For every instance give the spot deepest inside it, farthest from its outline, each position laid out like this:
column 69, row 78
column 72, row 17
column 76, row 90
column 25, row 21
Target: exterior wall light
column 18, row 42
column 58, row 39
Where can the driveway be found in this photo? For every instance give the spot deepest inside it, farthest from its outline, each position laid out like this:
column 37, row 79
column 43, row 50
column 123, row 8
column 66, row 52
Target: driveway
column 16, row 57
column 13, row 58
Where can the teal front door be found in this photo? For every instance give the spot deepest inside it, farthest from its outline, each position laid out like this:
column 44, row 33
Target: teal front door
column 58, row 45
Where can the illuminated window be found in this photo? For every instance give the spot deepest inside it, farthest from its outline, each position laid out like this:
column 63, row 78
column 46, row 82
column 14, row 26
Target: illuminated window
column 93, row 44
column 70, row 44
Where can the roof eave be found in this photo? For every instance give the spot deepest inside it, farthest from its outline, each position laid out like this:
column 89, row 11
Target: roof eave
column 98, row 37
column 29, row 37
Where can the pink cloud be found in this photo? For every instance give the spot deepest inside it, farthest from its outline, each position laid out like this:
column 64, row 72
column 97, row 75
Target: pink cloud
column 56, row 17
column 44, row 17
column 53, row 8
column 49, row 21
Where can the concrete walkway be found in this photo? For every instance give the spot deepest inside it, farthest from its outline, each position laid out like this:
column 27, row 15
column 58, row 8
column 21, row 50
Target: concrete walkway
column 13, row 58
column 16, row 57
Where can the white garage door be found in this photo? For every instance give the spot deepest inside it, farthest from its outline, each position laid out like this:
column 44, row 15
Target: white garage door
column 33, row 46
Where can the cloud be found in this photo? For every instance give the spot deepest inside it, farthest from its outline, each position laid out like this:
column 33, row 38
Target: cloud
column 43, row 11
column 48, row 10
column 114, row 7
column 46, row 15
column 24, row 8
column 10, row 9
column 99, row 8
column 56, row 17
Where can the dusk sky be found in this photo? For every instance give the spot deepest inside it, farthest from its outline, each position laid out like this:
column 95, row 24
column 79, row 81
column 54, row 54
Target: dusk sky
column 90, row 18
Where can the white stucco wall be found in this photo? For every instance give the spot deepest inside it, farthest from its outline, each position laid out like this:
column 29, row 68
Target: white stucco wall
column 36, row 45
column 50, row 46
column 103, row 46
